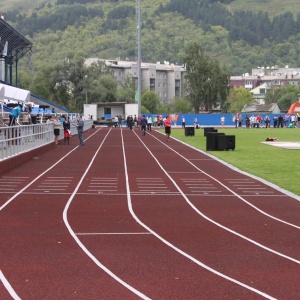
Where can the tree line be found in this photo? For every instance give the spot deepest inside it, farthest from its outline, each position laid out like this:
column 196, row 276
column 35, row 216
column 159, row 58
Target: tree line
column 248, row 26
column 90, row 29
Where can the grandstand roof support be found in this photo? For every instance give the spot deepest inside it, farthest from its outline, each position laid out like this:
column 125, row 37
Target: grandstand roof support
column 13, row 46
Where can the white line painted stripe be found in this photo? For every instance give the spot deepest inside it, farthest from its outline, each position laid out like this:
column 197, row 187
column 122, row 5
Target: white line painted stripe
column 60, row 177
column 165, row 241
column 100, row 191
column 49, row 189
column 81, row 245
column 104, row 179
column 249, row 188
column 198, row 184
column 113, row 233
column 240, row 196
column 15, row 177
column 8, row 287
column 238, row 179
column 39, row 176
column 57, row 181
column 206, row 192
column 156, row 184
column 247, row 185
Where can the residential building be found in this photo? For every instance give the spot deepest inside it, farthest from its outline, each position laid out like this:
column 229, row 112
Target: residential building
column 164, row 79
column 263, row 79
column 261, row 108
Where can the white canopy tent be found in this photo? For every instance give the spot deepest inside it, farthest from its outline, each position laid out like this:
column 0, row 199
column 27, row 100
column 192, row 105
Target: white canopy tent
column 14, row 94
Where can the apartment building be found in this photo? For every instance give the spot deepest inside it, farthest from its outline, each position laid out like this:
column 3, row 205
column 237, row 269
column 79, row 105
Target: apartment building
column 263, row 79
column 165, row 79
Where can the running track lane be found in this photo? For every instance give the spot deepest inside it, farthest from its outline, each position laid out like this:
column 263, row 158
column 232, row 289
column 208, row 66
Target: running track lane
column 138, row 257
column 127, row 248
column 280, row 272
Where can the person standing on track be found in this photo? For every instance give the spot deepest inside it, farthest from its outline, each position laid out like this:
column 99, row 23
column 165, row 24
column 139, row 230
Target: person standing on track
column 67, row 131
column 149, row 123
column 56, row 129
column 130, row 122
column 143, row 123
column 79, row 125
column 167, row 124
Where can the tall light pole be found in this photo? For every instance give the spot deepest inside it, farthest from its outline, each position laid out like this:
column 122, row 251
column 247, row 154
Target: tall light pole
column 139, row 61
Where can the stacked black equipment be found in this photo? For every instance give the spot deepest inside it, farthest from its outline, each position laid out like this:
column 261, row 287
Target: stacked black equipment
column 189, row 131
column 226, row 142
column 212, row 140
column 209, row 129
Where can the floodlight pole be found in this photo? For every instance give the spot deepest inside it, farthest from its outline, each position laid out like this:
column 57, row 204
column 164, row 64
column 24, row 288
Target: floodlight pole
column 139, row 58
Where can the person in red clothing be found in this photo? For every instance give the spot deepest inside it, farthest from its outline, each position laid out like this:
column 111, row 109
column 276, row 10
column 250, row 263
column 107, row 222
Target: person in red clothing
column 168, row 128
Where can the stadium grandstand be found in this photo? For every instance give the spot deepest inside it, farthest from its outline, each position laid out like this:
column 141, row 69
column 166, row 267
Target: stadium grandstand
column 13, row 46
column 30, row 131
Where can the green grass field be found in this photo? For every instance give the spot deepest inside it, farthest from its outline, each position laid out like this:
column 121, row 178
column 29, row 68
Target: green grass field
column 276, row 165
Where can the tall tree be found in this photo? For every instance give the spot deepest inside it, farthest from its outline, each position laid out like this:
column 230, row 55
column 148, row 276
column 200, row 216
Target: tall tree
column 206, row 81
column 151, row 102
column 284, row 96
column 236, row 100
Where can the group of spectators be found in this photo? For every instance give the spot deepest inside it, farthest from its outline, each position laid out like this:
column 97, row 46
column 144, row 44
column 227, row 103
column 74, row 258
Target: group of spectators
column 25, row 111
column 66, row 122
column 145, row 123
column 134, row 121
column 279, row 121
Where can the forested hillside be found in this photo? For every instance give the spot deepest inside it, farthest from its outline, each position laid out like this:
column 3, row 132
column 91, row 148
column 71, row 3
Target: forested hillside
column 242, row 39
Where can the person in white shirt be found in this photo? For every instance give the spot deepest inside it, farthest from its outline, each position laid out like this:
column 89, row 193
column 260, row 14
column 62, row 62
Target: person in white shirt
column 149, row 123
column 222, row 121
column 183, row 122
column 195, row 121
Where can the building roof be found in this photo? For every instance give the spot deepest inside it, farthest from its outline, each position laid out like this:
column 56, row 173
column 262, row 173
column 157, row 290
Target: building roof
column 259, row 108
column 128, row 64
column 17, row 44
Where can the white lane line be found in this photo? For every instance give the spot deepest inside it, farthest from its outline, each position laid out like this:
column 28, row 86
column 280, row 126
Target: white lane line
column 104, row 179
column 233, row 192
column 113, row 233
column 39, row 176
column 80, row 244
column 15, row 177
column 8, row 287
column 250, row 188
column 165, row 241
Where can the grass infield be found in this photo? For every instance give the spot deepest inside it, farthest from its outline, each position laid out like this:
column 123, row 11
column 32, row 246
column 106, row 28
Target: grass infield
column 274, row 164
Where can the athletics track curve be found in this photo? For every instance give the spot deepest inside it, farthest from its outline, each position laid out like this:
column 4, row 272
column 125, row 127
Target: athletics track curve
column 130, row 217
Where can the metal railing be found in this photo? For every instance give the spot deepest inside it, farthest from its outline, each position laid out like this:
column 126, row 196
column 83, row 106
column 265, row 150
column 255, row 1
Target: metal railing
column 15, row 140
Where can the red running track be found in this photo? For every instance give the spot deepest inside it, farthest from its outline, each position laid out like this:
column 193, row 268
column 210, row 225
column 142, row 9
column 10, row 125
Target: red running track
column 134, row 217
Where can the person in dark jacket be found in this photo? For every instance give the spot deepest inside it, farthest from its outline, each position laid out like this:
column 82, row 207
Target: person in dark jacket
column 67, row 131
column 143, row 124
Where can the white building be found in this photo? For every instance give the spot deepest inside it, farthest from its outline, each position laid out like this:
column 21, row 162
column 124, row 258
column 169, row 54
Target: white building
column 164, row 79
